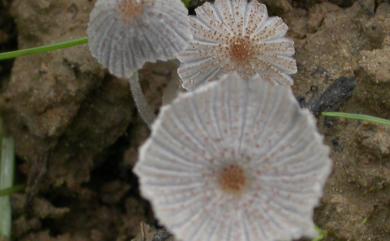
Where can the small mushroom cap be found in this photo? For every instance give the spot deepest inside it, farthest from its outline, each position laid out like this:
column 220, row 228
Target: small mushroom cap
column 124, row 34
column 237, row 35
column 234, row 160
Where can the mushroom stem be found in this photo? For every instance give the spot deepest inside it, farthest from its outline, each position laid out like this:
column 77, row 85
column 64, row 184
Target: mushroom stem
column 143, row 107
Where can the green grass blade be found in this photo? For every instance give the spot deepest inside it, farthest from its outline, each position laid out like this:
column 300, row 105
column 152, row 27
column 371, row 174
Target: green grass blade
column 43, row 49
column 367, row 118
column 6, row 181
column 321, row 236
column 11, row 190
column 187, row 3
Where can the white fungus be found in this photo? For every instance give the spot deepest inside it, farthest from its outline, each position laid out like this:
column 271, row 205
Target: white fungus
column 237, row 35
column 124, row 34
column 234, row 160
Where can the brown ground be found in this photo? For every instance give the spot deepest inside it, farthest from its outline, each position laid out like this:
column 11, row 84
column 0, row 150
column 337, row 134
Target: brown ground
column 70, row 116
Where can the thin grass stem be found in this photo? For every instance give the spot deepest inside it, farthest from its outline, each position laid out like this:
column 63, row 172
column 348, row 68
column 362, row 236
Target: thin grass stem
column 43, row 49
column 187, row 3
column 11, row 190
column 350, row 116
column 6, row 181
column 321, row 234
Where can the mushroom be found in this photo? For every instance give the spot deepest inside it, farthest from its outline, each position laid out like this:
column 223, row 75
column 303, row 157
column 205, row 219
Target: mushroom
column 234, row 160
column 125, row 34
column 237, row 35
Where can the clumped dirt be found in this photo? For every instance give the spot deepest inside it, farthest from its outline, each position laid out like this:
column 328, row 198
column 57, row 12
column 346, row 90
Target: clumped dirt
column 77, row 131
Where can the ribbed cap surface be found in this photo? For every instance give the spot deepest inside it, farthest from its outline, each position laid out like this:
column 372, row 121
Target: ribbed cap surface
column 237, row 35
column 124, row 34
column 235, row 160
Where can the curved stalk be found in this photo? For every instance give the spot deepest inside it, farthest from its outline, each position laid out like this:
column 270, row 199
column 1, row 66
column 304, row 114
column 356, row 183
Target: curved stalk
column 144, row 109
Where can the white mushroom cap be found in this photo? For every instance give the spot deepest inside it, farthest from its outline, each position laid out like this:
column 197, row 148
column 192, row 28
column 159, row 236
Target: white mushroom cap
column 237, row 35
column 124, row 34
column 235, row 160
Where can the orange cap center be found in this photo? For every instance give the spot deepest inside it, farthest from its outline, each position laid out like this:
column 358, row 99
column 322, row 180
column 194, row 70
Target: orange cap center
column 232, row 179
column 240, row 49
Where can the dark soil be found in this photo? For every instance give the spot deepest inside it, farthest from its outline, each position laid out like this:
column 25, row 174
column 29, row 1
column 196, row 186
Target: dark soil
column 77, row 131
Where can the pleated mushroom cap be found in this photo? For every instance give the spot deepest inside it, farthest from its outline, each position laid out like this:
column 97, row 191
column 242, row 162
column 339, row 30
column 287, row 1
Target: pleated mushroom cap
column 124, row 34
column 237, row 35
column 234, row 160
